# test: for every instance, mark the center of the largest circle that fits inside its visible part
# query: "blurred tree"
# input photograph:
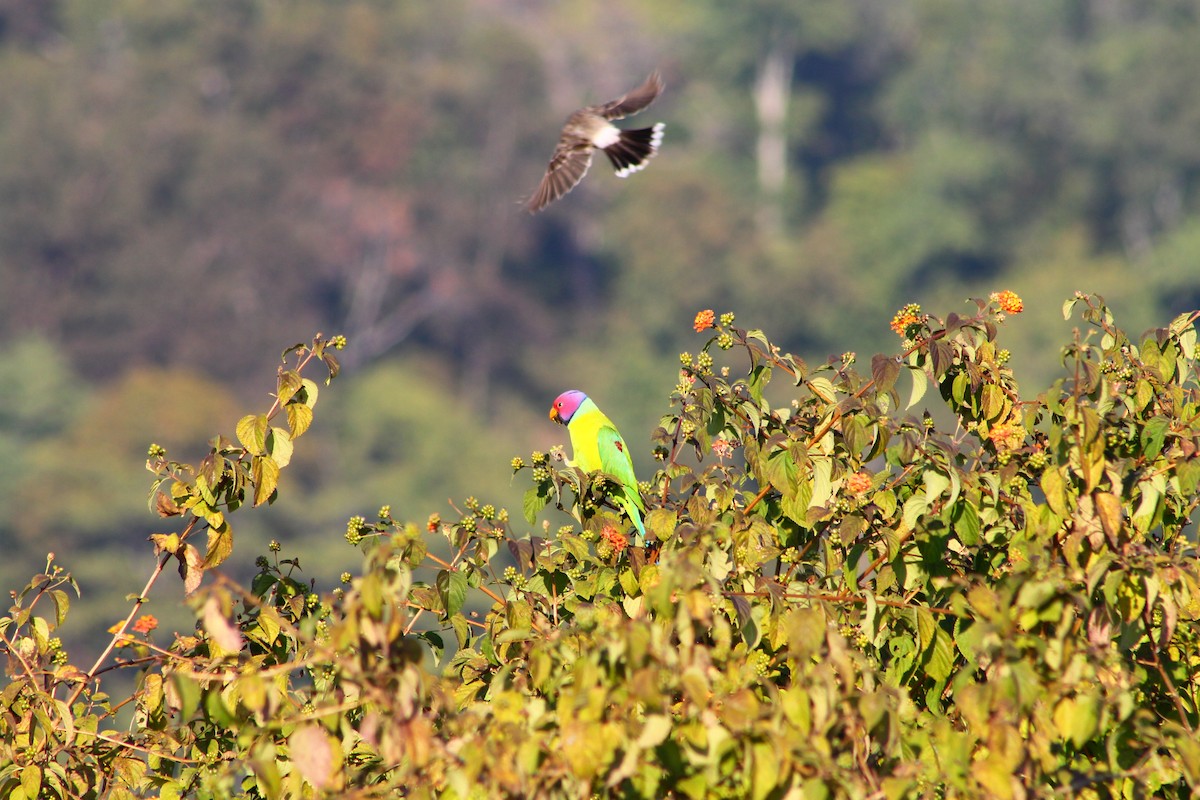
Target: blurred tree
(39, 397)
(101, 456)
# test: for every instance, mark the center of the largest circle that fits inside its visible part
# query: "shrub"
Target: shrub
(839, 599)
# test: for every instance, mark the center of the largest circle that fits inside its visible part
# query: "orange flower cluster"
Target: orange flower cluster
(705, 320)
(1008, 436)
(145, 624)
(858, 482)
(1008, 301)
(909, 315)
(616, 540)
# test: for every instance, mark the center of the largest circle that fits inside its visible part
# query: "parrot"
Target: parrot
(598, 447)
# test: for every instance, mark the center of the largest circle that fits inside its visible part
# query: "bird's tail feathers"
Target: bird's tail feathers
(634, 148)
(631, 508)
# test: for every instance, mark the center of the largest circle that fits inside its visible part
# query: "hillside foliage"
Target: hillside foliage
(843, 597)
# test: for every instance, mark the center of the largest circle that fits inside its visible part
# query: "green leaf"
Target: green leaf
(920, 382)
(62, 604)
(760, 376)
(252, 433)
(535, 500)
(822, 389)
(939, 659)
(967, 524)
(935, 484)
(1153, 436)
(452, 586)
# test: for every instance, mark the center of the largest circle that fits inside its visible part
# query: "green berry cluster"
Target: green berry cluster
(517, 463)
(727, 319)
(354, 527)
(338, 342)
(156, 451)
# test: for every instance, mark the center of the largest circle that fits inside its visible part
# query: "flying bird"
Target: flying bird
(597, 446)
(590, 129)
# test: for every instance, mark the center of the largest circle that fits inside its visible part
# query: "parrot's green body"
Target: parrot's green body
(598, 446)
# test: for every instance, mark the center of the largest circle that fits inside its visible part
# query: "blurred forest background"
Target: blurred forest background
(187, 187)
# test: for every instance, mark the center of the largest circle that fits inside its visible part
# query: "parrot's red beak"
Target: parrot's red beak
(554, 417)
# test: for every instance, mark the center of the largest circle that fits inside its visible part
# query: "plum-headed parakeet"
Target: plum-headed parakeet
(598, 446)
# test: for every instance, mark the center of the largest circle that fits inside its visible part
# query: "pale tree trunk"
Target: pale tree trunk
(772, 90)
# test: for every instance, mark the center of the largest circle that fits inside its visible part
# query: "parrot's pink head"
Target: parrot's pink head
(565, 406)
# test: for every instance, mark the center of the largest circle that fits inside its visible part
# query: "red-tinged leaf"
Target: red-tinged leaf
(332, 364)
(942, 355)
(312, 753)
(223, 633)
(884, 370)
(165, 506)
(191, 568)
(1108, 509)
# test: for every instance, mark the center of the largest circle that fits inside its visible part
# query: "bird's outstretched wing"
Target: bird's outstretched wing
(567, 167)
(634, 101)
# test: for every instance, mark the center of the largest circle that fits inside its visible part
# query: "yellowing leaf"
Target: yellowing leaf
(265, 473)
(1077, 718)
(252, 433)
(299, 417)
(279, 446)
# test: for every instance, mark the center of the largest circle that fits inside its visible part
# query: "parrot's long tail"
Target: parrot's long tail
(635, 516)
